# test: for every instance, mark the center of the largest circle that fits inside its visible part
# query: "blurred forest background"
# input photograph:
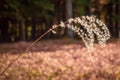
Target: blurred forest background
(23, 21)
(26, 20)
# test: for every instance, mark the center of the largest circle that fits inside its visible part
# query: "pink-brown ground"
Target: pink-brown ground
(60, 60)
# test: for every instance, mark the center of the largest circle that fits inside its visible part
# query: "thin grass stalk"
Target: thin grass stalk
(26, 49)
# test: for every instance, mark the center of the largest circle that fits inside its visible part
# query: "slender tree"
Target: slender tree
(117, 16)
(69, 14)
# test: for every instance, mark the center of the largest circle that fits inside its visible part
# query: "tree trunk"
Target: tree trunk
(68, 14)
(59, 15)
(4, 29)
(22, 31)
(117, 28)
(109, 18)
(33, 28)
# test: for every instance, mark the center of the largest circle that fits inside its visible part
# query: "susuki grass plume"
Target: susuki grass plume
(86, 27)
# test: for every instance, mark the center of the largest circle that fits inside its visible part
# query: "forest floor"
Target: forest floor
(60, 60)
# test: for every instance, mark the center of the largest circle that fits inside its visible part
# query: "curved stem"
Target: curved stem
(26, 49)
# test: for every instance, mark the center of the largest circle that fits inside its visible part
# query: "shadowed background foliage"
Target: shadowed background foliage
(26, 20)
